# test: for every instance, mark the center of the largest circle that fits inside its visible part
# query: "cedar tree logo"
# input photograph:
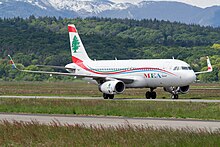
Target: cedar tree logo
(75, 44)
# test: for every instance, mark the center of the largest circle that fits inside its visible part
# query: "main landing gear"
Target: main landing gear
(108, 96)
(151, 94)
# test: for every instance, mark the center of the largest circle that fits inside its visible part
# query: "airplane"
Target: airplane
(114, 76)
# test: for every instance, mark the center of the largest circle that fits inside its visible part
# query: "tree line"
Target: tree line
(44, 41)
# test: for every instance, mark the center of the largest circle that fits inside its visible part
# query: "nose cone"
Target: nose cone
(193, 77)
(189, 77)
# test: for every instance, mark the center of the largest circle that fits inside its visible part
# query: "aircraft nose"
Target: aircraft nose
(193, 77)
(190, 77)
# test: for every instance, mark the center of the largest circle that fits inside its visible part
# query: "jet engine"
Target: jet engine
(183, 89)
(112, 87)
(176, 90)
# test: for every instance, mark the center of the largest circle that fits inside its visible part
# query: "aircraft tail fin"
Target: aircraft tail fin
(77, 48)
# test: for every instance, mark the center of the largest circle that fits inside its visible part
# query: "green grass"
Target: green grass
(80, 88)
(113, 108)
(35, 134)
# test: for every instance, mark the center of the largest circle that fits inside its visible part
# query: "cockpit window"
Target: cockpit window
(184, 68)
(176, 68)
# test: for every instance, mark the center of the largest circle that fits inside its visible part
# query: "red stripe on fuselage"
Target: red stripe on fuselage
(80, 64)
(76, 60)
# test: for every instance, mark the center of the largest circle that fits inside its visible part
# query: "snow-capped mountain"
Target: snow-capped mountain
(162, 10)
(80, 6)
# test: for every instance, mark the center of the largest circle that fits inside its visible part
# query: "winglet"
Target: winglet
(209, 65)
(210, 69)
(12, 62)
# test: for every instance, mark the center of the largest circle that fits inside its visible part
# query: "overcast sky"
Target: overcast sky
(199, 3)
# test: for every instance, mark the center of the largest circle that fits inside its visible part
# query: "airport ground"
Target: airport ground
(33, 133)
(83, 89)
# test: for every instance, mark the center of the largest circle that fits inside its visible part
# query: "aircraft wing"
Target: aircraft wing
(56, 67)
(126, 80)
(209, 67)
(48, 72)
(97, 78)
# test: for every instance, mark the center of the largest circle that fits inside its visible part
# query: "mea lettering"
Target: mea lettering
(153, 76)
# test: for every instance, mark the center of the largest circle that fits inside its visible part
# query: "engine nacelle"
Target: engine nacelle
(176, 90)
(183, 89)
(112, 87)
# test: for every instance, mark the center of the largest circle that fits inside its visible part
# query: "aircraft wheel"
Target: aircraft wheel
(111, 96)
(153, 95)
(175, 96)
(148, 95)
(105, 96)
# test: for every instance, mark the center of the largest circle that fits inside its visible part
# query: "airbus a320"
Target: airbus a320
(114, 76)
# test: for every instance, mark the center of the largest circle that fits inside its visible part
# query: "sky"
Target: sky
(198, 3)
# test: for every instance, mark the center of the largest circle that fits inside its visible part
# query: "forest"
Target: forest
(45, 41)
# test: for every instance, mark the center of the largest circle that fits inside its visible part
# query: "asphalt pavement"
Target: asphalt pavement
(97, 121)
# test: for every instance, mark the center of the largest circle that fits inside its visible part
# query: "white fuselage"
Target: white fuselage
(146, 73)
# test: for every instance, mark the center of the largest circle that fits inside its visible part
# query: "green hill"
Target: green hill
(44, 40)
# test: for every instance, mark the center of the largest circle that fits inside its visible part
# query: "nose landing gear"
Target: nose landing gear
(174, 96)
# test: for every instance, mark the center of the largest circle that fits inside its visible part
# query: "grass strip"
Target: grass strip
(35, 134)
(113, 108)
(79, 88)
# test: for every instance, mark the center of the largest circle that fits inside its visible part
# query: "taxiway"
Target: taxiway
(97, 121)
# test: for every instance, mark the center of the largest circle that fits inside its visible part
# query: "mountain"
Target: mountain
(25, 8)
(172, 11)
(209, 17)
(161, 10)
